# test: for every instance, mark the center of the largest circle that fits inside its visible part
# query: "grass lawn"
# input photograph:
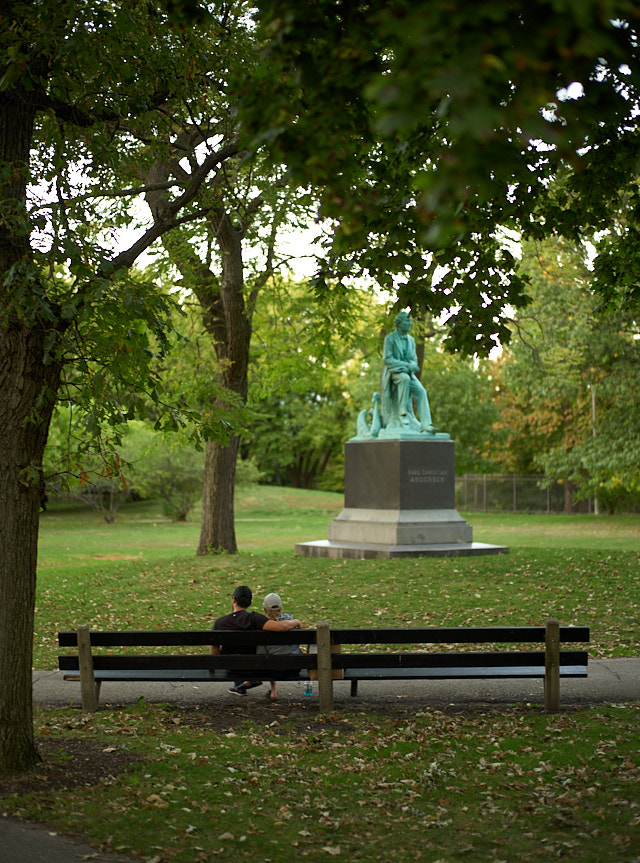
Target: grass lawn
(142, 572)
(279, 782)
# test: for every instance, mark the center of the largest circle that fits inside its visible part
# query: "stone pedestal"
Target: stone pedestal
(399, 502)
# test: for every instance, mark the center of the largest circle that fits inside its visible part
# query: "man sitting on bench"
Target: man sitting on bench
(241, 620)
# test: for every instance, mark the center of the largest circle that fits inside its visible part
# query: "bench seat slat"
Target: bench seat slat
(204, 675)
(471, 673)
(339, 660)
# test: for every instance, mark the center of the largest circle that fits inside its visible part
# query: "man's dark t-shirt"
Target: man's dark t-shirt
(241, 621)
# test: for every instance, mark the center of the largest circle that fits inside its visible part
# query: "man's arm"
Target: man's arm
(282, 625)
(412, 361)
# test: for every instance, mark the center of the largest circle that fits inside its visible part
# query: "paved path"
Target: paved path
(22, 842)
(609, 681)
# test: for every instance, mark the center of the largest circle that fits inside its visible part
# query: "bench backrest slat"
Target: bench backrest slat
(188, 638)
(457, 635)
(231, 661)
(475, 659)
(428, 635)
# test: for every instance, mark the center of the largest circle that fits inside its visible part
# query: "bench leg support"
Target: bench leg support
(89, 689)
(325, 672)
(552, 666)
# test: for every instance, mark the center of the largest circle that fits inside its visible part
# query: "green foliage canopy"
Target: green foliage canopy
(113, 89)
(453, 120)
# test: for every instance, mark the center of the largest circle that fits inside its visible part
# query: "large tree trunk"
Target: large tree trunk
(28, 386)
(226, 318)
(24, 424)
(218, 518)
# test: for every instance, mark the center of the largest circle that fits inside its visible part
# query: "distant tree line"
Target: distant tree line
(560, 401)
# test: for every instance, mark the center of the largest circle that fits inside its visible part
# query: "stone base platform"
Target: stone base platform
(399, 527)
(327, 548)
(399, 502)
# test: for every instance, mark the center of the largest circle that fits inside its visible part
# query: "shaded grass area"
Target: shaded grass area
(276, 784)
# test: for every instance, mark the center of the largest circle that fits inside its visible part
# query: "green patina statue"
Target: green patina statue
(394, 415)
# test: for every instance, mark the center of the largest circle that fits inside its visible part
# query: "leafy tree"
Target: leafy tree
(542, 395)
(89, 93)
(461, 397)
(163, 466)
(568, 387)
(222, 260)
(73, 471)
(99, 484)
(250, 211)
(298, 436)
(304, 392)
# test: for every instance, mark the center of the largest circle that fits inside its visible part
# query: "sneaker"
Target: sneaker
(239, 690)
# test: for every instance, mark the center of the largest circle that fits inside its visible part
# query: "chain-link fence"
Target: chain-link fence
(515, 493)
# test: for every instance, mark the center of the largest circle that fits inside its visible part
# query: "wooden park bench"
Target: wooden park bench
(330, 662)
(92, 667)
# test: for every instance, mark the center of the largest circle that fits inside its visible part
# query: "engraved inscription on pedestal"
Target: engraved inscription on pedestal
(425, 475)
(399, 474)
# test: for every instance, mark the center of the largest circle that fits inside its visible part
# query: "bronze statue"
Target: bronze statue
(403, 408)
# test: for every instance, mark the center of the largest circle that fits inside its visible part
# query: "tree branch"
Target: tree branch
(84, 118)
(128, 258)
(169, 219)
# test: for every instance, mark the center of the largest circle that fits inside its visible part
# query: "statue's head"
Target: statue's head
(403, 321)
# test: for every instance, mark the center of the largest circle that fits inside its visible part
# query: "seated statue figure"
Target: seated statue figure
(400, 386)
